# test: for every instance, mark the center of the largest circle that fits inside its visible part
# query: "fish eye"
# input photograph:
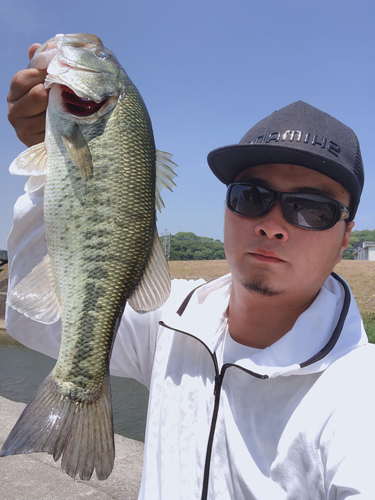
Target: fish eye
(103, 54)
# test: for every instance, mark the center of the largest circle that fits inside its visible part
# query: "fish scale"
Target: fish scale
(102, 178)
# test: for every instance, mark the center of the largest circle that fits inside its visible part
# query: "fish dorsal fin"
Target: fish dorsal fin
(32, 162)
(35, 295)
(164, 175)
(155, 286)
(79, 152)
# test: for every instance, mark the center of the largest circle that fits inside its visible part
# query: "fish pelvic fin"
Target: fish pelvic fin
(35, 295)
(79, 152)
(33, 163)
(79, 432)
(155, 287)
(164, 175)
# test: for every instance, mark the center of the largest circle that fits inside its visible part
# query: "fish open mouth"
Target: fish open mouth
(79, 106)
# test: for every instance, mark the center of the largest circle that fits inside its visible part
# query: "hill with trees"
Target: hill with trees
(188, 246)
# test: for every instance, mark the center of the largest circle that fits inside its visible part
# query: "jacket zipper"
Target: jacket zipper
(219, 376)
(217, 389)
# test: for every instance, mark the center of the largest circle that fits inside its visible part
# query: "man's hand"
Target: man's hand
(27, 103)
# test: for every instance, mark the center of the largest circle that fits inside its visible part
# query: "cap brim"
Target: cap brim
(229, 161)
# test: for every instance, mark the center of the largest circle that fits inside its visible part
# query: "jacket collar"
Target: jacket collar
(330, 328)
(203, 313)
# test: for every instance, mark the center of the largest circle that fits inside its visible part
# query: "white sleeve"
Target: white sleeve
(137, 337)
(349, 436)
(349, 464)
(135, 343)
(26, 248)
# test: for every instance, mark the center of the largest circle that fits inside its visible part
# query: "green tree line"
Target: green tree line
(355, 237)
(188, 246)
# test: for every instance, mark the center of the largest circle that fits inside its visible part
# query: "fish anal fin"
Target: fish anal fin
(155, 286)
(79, 152)
(35, 295)
(80, 432)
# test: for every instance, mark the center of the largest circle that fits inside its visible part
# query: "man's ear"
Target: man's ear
(345, 240)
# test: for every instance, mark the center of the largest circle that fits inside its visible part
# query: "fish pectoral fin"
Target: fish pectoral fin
(32, 162)
(164, 175)
(79, 152)
(155, 287)
(34, 183)
(35, 295)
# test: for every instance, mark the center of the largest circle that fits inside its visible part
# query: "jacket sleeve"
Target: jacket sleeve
(136, 339)
(348, 439)
(26, 248)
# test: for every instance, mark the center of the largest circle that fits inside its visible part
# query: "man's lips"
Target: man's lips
(266, 256)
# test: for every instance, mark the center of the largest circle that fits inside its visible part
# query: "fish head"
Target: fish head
(86, 77)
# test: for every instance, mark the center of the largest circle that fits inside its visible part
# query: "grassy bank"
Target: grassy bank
(195, 269)
(369, 322)
(361, 277)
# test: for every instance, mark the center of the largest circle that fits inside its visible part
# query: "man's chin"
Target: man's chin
(259, 286)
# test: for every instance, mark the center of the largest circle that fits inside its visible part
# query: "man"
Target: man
(260, 381)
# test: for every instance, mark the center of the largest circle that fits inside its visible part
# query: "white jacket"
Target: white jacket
(292, 422)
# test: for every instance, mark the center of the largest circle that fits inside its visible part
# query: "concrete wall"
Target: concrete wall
(38, 477)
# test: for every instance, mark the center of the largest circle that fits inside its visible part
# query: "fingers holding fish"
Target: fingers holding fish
(27, 104)
(32, 49)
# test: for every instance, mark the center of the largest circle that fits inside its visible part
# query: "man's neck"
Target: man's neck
(259, 321)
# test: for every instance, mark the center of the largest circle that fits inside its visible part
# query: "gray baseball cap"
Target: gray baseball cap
(298, 134)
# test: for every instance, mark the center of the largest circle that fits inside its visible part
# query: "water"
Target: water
(22, 371)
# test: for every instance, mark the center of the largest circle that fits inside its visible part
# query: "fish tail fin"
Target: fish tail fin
(79, 431)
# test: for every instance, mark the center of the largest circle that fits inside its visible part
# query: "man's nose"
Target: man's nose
(273, 224)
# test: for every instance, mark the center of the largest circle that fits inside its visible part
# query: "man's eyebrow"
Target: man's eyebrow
(325, 191)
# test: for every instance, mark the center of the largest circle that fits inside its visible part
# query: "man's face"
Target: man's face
(268, 255)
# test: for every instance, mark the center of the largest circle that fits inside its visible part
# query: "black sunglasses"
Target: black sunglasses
(309, 211)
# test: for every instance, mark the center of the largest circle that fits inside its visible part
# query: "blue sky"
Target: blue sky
(208, 70)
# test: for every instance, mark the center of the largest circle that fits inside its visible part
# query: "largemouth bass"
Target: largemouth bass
(102, 179)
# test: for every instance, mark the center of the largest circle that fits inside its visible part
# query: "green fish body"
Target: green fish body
(102, 176)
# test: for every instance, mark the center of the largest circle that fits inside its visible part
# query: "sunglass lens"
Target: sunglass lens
(251, 201)
(308, 212)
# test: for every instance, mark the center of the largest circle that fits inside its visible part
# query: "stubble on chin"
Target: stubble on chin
(259, 286)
